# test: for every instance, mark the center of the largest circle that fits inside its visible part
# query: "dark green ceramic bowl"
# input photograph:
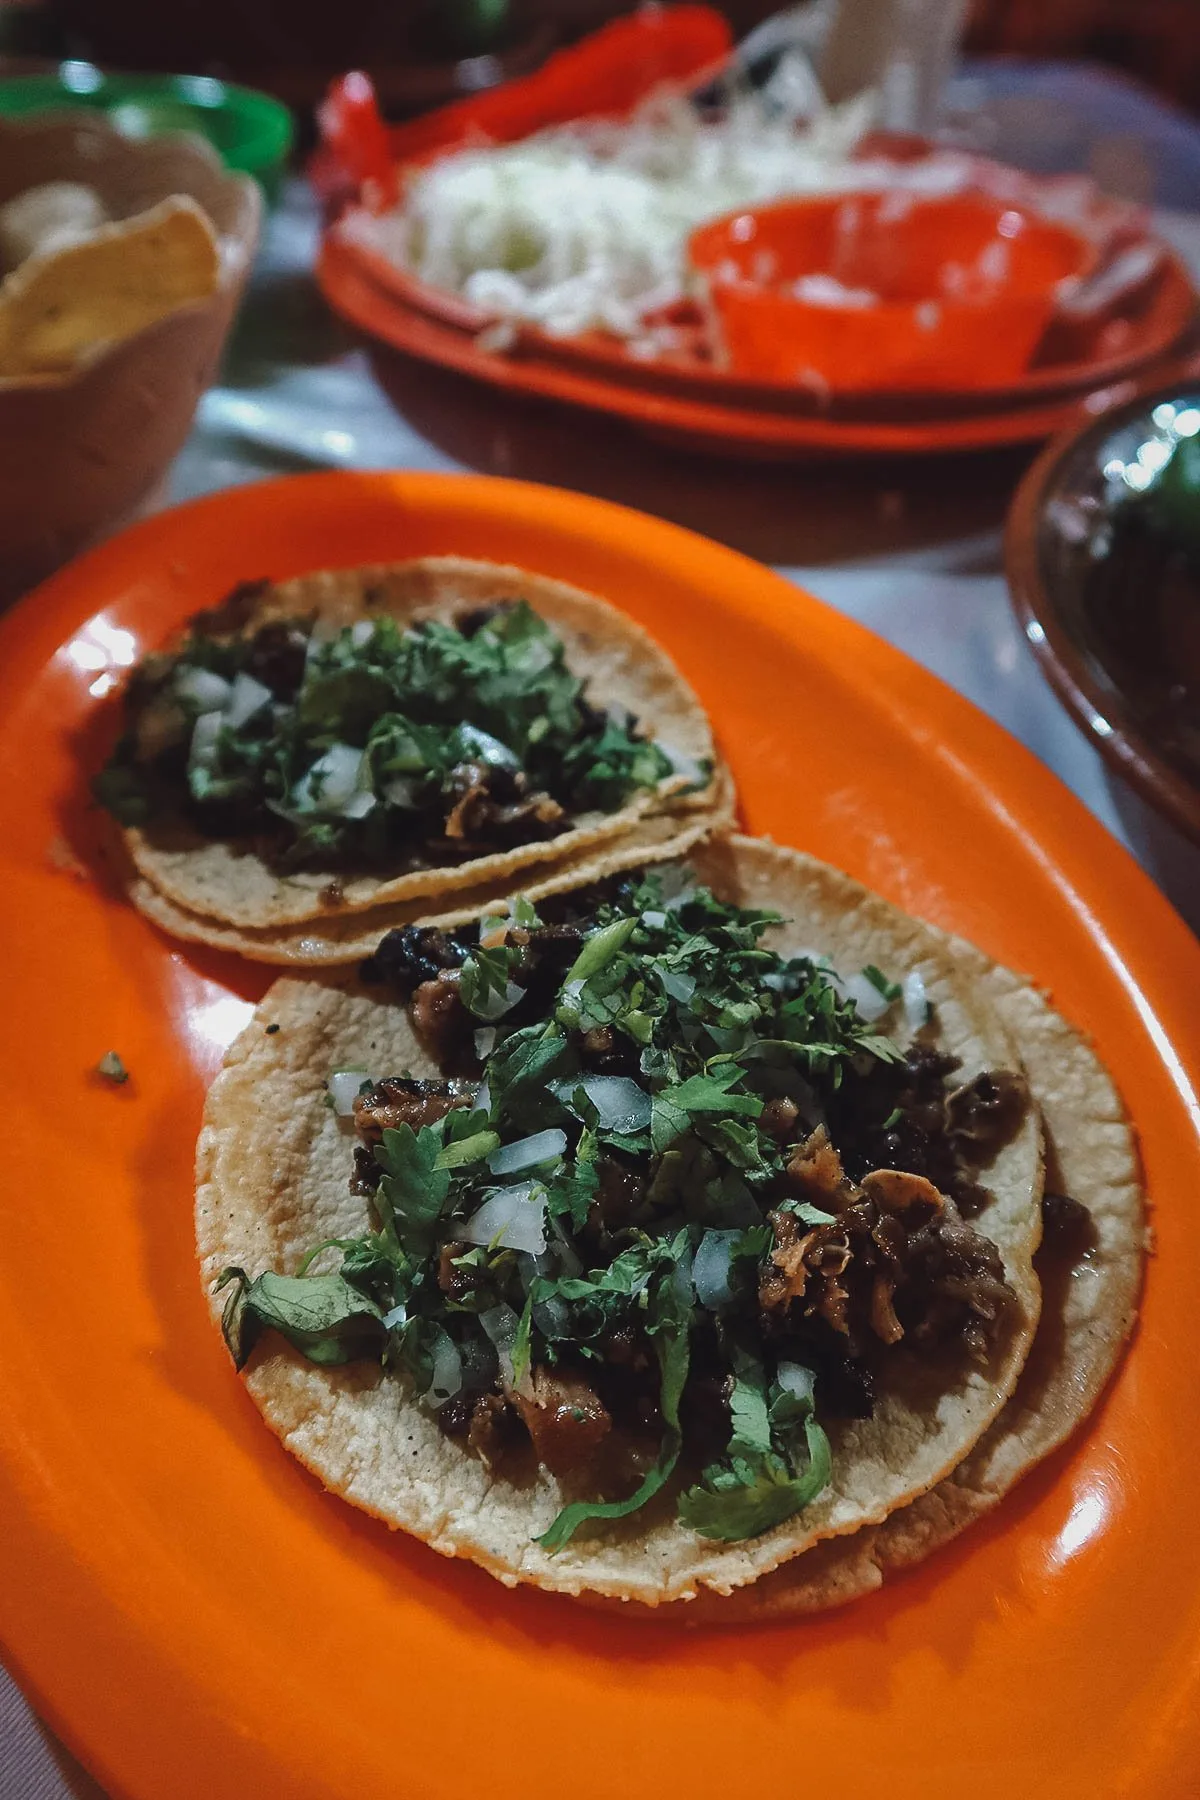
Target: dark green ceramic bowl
(252, 132)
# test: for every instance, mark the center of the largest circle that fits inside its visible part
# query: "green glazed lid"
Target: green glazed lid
(252, 132)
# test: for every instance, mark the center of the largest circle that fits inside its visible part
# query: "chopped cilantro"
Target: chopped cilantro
(360, 748)
(709, 1026)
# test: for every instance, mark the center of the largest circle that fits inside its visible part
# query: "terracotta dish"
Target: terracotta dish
(79, 451)
(1123, 658)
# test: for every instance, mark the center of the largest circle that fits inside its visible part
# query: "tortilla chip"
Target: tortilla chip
(621, 663)
(58, 310)
(1088, 1312)
(273, 1165)
(343, 938)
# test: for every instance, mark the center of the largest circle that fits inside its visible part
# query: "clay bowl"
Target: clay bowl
(79, 452)
(1121, 658)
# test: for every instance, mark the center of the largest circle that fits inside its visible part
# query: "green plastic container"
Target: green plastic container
(252, 132)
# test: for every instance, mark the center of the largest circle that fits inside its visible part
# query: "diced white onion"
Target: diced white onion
(202, 687)
(916, 1002)
(620, 1103)
(358, 805)
(529, 1153)
(446, 1379)
(488, 748)
(485, 1041)
(402, 790)
(654, 920)
(483, 1099)
(205, 733)
(513, 1218)
(687, 766)
(344, 1086)
(397, 1316)
(494, 1006)
(500, 1323)
(869, 1003)
(795, 1379)
(361, 632)
(710, 1269)
(332, 781)
(246, 698)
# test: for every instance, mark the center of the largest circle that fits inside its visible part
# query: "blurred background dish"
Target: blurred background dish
(81, 447)
(880, 290)
(251, 132)
(1103, 560)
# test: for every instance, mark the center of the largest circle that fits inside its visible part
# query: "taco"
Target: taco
(1089, 1265)
(348, 937)
(369, 737)
(662, 1232)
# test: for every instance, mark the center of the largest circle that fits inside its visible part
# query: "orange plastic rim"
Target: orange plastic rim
(189, 1609)
(691, 412)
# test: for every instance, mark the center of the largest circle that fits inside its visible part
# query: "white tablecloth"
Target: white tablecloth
(912, 550)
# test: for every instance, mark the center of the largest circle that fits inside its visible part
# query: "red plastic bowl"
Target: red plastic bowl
(884, 290)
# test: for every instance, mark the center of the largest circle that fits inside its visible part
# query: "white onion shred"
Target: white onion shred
(710, 1269)
(332, 782)
(916, 1002)
(795, 1379)
(446, 1379)
(512, 1218)
(494, 1006)
(528, 1153)
(485, 1041)
(620, 1103)
(205, 733)
(869, 1003)
(500, 1323)
(344, 1087)
(246, 698)
(202, 687)
(397, 1316)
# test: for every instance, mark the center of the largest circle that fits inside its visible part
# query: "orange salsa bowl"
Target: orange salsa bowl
(884, 290)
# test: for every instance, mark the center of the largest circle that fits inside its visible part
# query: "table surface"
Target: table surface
(911, 550)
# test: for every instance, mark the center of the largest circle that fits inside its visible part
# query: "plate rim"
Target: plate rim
(59, 606)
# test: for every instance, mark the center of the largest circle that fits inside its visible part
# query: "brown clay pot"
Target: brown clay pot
(79, 451)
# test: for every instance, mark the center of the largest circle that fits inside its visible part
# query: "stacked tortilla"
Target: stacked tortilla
(225, 893)
(274, 1165)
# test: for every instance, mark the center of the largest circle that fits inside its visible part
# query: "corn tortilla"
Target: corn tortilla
(620, 662)
(273, 1166)
(340, 938)
(1088, 1314)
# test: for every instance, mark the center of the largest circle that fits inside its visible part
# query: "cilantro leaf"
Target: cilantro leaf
(322, 1316)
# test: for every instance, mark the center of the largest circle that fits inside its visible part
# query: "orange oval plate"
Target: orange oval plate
(189, 1609)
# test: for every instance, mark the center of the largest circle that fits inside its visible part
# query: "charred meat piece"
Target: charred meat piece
(1068, 1228)
(815, 1171)
(897, 1261)
(442, 1022)
(402, 1100)
(902, 1116)
(477, 617)
(233, 613)
(366, 1174)
(492, 806)
(984, 1114)
(411, 955)
(953, 1285)
(566, 1419)
(277, 656)
(493, 1429)
(454, 1282)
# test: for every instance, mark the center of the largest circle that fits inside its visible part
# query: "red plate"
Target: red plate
(685, 416)
(189, 1609)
